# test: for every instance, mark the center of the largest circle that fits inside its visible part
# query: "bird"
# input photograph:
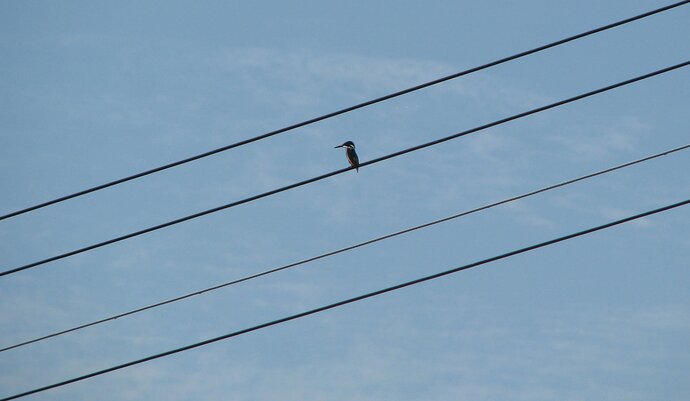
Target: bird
(351, 154)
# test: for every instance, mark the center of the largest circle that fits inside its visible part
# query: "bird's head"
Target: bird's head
(348, 144)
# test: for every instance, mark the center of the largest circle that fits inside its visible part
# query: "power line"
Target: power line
(351, 300)
(336, 172)
(348, 248)
(345, 110)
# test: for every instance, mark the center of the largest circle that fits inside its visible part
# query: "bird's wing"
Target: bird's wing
(352, 155)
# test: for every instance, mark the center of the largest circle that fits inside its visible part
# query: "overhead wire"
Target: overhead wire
(340, 171)
(351, 247)
(350, 300)
(342, 111)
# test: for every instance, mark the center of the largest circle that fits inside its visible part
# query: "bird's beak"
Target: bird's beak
(336, 147)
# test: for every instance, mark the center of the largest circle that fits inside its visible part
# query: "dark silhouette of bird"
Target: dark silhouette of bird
(351, 154)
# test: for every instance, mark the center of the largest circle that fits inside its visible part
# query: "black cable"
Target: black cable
(345, 110)
(336, 172)
(348, 248)
(351, 300)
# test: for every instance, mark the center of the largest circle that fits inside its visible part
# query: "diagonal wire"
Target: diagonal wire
(345, 110)
(348, 248)
(350, 300)
(336, 172)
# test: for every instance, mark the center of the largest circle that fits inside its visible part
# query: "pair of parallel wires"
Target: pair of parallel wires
(285, 188)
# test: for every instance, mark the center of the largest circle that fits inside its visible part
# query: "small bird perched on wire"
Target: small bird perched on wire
(351, 154)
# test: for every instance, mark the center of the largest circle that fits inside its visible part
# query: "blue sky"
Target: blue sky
(91, 91)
